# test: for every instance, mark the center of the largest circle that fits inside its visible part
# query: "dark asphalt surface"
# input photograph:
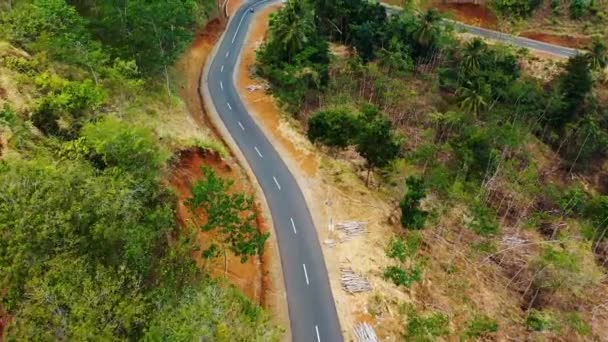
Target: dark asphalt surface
(312, 310)
(552, 49)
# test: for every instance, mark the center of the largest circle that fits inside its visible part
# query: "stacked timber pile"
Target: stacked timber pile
(365, 333)
(350, 229)
(352, 282)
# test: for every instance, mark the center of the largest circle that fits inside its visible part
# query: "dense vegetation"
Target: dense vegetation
(576, 9)
(495, 147)
(89, 245)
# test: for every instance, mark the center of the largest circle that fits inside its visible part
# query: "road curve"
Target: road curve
(522, 42)
(312, 310)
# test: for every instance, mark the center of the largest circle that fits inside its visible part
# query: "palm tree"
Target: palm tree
(474, 52)
(428, 28)
(473, 95)
(292, 28)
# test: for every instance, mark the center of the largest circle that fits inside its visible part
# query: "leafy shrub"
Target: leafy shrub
(402, 249)
(579, 8)
(576, 322)
(211, 313)
(573, 201)
(426, 328)
(116, 144)
(403, 277)
(8, 116)
(412, 217)
(483, 220)
(66, 105)
(541, 321)
(519, 8)
(481, 326)
(570, 268)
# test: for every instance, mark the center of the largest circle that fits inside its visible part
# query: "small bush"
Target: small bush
(426, 328)
(484, 220)
(401, 249)
(576, 322)
(573, 201)
(8, 116)
(481, 326)
(579, 8)
(412, 216)
(116, 144)
(541, 321)
(402, 277)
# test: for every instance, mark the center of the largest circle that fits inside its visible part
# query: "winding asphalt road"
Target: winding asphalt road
(312, 309)
(523, 42)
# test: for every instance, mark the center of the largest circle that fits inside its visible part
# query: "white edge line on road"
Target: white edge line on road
(241, 125)
(222, 69)
(276, 182)
(239, 26)
(222, 85)
(229, 106)
(293, 225)
(318, 336)
(258, 151)
(305, 274)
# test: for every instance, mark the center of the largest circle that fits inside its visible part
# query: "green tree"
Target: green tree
(412, 216)
(598, 54)
(211, 312)
(56, 28)
(66, 303)
(232, 216)
(65, 105)
(291, 30)
(473, 54)
(111, 143)
(574, 85)
(376, 142)
(474, 96)
(111, 220)
(153, 34)
(428, 29)
(519, 8)
(335, 128)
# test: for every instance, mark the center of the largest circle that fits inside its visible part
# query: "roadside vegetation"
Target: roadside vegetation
(89, 244)
(501, 166)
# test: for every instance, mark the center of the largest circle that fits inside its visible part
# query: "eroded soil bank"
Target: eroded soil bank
(254, 277)
(185, 173)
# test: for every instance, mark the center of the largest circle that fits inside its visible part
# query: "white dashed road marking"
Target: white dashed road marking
(276, 182)
(227, 54)
(318, 336)
(305, 274)
(293, 225)
(222, 85)
(229, 106)
(222, 69)
(241, 125)
(258, 151)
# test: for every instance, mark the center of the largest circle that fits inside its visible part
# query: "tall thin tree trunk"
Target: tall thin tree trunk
(580, 150)
(225, 264)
